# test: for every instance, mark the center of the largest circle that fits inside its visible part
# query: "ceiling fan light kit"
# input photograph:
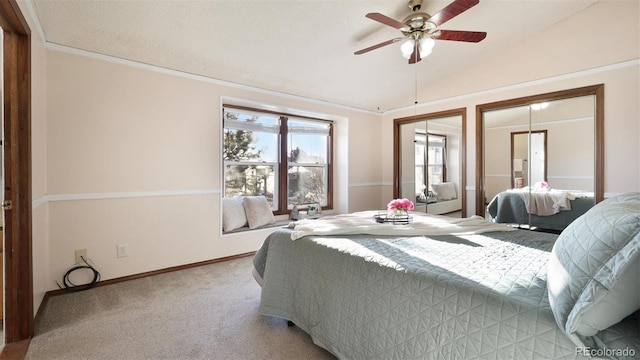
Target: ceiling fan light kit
(420, 30)
(425, 45)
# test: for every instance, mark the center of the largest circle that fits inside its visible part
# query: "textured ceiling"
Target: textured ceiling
(304, 48)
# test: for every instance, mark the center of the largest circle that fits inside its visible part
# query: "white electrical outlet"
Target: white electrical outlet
(123, 251)
(81, 253)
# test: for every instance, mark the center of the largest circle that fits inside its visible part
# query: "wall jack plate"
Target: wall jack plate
(82, 253)
(123, 250)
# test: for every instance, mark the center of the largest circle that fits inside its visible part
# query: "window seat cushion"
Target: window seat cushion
(279, 223)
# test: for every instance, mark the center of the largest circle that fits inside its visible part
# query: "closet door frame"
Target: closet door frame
(596, 90)
(397, 161)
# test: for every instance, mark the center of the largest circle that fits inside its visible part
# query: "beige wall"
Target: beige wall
(128, 154)
(134, 159)
(570, 54)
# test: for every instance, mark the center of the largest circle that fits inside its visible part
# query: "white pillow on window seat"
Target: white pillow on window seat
(445, 191)
(233, 216)
(258, 211)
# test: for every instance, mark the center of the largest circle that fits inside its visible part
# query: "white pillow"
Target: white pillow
(445, 191)
(233, 216)
(594, 268)
(258, 211)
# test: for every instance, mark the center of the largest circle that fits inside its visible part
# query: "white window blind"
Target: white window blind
(251, 121)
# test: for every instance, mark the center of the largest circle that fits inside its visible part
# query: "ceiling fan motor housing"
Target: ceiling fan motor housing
(418, 25)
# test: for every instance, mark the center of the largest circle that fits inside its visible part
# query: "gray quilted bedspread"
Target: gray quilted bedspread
(440, 297)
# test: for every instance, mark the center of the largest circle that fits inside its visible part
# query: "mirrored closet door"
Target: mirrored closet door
(429, 165)
(540, 158)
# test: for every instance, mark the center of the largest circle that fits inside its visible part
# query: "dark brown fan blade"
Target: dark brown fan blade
(457, 35)
(415, 55)
(377, 46)
(386, 20)
(452, 10)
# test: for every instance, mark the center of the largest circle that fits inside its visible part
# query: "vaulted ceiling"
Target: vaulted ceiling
(304, 48)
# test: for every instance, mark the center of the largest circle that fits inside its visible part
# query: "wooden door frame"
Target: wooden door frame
(19, 320)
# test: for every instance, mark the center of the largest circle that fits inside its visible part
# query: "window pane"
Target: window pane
(307, 149)
(251, 180)
(435, 175)
(419, 154)
(419, 179)
(307, 142)
(307, 185)
(243, 145)
(436, 155)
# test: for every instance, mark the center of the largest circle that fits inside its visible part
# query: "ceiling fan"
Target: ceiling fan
(421, 29)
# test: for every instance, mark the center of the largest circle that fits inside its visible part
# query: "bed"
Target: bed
(459, 296)
(510, 207)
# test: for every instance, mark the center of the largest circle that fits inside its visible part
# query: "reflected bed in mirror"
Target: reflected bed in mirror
(549, 210)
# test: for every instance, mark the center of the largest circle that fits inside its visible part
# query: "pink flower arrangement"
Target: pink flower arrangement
(400, 205)
(542, 185)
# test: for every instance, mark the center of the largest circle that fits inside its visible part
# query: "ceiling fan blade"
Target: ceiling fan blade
(415, 55)
(385, 43)
(386, 20)
(458, 35)
(452, 10)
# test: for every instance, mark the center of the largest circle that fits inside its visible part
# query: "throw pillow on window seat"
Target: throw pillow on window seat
(258, 211)
(233, 216)
(445, 191)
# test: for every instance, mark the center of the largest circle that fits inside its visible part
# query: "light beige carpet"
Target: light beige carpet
(208, 312)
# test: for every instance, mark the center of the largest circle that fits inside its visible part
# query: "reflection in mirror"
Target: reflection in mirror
(571, 125)
(528, 158)
(429, 162)
(553, 171)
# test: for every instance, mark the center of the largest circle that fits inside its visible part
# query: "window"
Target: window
(285, 158)
(430, 159)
